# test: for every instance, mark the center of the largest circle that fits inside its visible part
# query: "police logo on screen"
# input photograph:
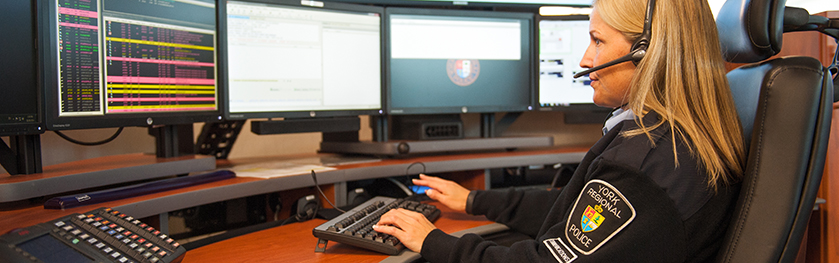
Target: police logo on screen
(463, 72)
(601, 211)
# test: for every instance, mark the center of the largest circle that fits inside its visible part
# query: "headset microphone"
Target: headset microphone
(639, 48)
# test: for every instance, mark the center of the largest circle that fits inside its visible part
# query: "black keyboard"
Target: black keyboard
(355, 227)
(101, 235)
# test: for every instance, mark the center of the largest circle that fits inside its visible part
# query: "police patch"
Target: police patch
(601, 211)
(463, 72)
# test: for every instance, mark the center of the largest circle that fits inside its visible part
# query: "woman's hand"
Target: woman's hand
(447, 192)
(409, 227)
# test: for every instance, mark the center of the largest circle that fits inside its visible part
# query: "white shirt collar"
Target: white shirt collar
(618, 116)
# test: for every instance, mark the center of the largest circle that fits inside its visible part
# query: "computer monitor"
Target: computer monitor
(444, 61)
(301, 59)
(116, 63)
(562, 43)
(19, 104)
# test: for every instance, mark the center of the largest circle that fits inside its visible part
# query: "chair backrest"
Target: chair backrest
(785, 107)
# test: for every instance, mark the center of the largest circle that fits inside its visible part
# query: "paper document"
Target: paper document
(277, 169)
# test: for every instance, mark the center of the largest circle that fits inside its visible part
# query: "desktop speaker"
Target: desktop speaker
(305, 208)
(357, 196)
(427, 128)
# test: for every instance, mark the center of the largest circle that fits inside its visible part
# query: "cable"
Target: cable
(315, 178)
(62, 135)
(401, 186)
(287, 220)
(409, 182)
(412, 165)
(409, 187)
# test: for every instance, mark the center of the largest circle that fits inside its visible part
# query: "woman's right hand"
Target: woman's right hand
(447, 192)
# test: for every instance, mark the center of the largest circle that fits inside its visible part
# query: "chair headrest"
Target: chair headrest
(751, 30)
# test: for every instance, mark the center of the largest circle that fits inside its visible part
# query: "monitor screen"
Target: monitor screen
(114, 63)
(562, 44)
(458, 61)
(286, 59)
(19, 104)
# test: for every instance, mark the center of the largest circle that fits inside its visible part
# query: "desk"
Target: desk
(295, 243)
(17, 216)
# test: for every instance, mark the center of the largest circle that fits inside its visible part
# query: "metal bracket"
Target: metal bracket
(321, 246)
(217, 138)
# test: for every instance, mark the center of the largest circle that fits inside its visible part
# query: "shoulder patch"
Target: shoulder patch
(601, 211)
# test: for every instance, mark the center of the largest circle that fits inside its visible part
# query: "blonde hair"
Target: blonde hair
(682, 78)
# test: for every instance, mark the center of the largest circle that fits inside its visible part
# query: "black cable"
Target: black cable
(315, 178)
(288, 220)
(62, 135)
(408, 169)
(412, 165)
(410, 183)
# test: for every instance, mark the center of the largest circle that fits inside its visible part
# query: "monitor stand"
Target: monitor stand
(433, 134)
(103, 171)
(23, 156)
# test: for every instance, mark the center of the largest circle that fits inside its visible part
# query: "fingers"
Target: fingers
(411, 228)
(394, 221)
(431, 193)
(399, 217)
(430, 181)
(390, 230)
(438, 184)
(425, 180)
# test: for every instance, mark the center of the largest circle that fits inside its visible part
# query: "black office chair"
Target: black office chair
(785, 106)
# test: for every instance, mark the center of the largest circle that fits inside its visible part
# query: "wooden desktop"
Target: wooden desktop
(295, 242)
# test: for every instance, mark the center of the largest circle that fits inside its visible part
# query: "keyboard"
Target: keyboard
(101, 235)
(355, 227)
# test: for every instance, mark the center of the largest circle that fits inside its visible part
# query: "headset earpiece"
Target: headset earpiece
(639, 48)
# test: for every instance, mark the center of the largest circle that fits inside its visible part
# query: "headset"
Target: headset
(639, 48)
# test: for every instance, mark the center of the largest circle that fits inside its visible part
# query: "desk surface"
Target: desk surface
(18, 216)
(295, 243)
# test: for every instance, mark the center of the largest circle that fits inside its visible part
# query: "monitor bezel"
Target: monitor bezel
(48, 47)
(526, 16)
(222, 40)
(30, 79)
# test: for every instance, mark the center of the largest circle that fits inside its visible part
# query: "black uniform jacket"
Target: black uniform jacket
(628, 201)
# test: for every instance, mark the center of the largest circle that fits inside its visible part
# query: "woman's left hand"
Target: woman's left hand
(409, 227)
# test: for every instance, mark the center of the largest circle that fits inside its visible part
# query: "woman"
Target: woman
(659, 185)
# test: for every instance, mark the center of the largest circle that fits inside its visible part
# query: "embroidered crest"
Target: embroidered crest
(592, 218)
(601, 211)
